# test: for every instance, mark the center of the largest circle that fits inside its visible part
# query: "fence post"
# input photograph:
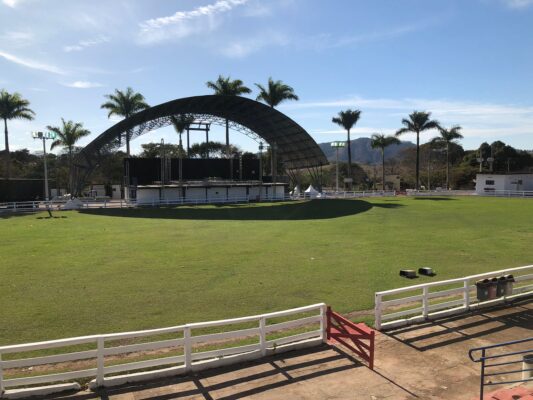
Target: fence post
(187, 348)
(377, 311)
(466, 294)
(1, 377)
(371, 351)
(262, 335)
(425, 301)
(100, 362)
(324, 326)
(328, 323)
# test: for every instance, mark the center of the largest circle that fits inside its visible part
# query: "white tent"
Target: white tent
(296, 191)
(311, 192)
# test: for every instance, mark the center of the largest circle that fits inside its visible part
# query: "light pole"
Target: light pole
(261, 147)
(44, 136)
(337, 146)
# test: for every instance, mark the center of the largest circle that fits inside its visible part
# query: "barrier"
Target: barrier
(448, 297)
(180, 342)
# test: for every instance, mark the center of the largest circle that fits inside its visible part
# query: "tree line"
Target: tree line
(128, 102)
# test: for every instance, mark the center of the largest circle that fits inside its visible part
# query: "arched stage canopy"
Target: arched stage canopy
(294, 146)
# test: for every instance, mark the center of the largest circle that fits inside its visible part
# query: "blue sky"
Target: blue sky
(469, 62)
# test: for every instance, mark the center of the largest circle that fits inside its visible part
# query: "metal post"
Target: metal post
(261, 161)
(188, 144)
(482, 384)
(181, 160)
(46, 193)
(337, 171)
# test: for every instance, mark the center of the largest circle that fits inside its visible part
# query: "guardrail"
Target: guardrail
(504, 359)
(508, 193)
(418, 303)
(183, 340)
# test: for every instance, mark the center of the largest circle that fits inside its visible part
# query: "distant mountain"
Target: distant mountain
(362, 152)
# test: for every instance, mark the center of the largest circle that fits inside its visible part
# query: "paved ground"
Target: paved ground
(427, 361)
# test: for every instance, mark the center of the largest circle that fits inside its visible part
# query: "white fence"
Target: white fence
(355, 195)
(413, 304)
(228, 200)
(508, 193)
(437, 193)
(188, 345)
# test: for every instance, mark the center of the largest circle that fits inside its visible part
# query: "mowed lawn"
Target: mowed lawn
(115, 270)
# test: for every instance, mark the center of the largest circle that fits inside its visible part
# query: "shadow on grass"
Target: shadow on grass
(434, 198)
(301, 210)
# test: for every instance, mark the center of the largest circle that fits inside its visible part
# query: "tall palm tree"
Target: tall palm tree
(67, 136)
(125, 104)
(347, 119)
(225, 86)
(380, 141)
(12, 106)
(418, 121)
(446, 137)
(275, 93)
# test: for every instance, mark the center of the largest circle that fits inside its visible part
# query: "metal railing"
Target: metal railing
(437, 193)
(222, 200)
(499, 362)
(418, 303)
(184, 338)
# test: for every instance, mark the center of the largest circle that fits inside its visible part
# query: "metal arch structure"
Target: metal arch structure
(294, 146)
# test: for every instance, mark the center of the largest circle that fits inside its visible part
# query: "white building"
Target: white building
(494, 183)
(211, 192)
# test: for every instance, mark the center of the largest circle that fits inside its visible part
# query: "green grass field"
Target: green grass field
(115, 270)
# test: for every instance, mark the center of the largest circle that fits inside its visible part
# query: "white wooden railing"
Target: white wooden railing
(184, 337)
(223, 200)
(508, 193)
(418, 303)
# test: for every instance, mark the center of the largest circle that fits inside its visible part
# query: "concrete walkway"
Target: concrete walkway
(427, 361)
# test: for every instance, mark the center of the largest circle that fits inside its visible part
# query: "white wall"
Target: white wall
(237, 192)
(147, 195)
(216, 193)
(195, 194)
(492, 182)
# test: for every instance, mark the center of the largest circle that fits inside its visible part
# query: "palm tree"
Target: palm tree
(380, 141)
(224, 86)
(68, 135)
(418, 121)
(12, 106)
(347, 119)
(276, 92)
(125, 104)
(446, 137)
(180, 123)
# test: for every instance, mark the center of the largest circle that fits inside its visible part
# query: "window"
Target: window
(489, 182)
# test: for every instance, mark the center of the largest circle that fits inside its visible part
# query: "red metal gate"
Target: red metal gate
(359, 338)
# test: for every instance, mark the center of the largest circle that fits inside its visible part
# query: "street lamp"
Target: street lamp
(337, 146)
(44, 136)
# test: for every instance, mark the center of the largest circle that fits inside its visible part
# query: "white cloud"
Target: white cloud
(185, 23)
(83, 44)
(517, 4)
(11, 3)
(32, 64)
(239, 48)
(18, 38)
(83, 85)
